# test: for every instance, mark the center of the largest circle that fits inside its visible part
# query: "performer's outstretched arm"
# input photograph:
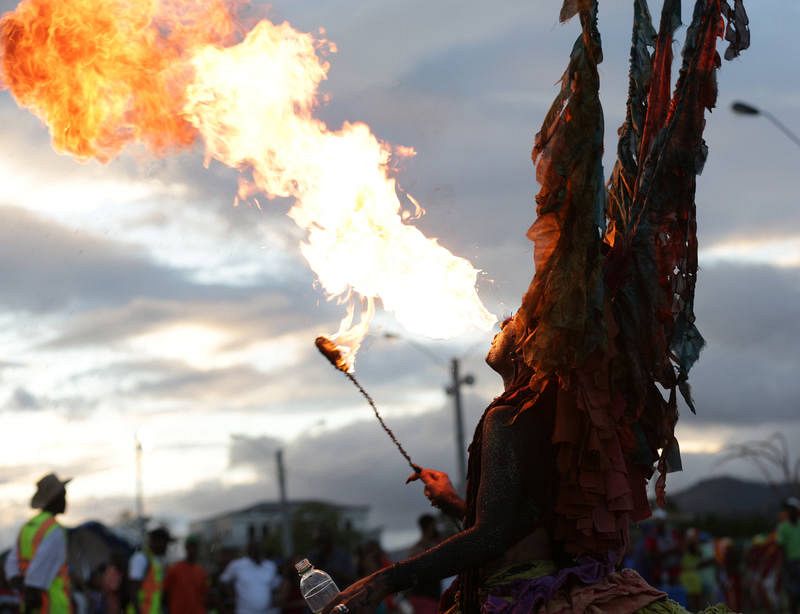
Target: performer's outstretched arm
(500, 515)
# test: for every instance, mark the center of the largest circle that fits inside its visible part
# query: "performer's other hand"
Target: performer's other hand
(438, 488)
(362, 597)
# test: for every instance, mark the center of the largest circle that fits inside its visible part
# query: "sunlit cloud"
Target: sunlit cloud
(196, 344)
(778, 252)
(158, 213)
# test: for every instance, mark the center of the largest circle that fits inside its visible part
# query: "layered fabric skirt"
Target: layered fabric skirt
(589, 587)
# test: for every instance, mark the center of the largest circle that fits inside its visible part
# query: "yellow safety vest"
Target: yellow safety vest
(56, 599)
(149, 595)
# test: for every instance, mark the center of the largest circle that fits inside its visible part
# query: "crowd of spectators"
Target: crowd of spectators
(693, 567)
(697, 569)
(211, 579)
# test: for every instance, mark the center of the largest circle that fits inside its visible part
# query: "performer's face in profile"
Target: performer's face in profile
(499, 356)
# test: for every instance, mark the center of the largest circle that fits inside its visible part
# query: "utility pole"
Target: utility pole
(286, 517)
(140, 520)
(454, 390)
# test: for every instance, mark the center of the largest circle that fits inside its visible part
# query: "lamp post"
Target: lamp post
(743, 108)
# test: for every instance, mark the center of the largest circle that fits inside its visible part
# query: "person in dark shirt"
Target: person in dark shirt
(424, 596)
(289, 597)
(336, 561)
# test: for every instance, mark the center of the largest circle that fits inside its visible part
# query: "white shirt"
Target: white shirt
(47, 561)
(253, 583)
(137, 565)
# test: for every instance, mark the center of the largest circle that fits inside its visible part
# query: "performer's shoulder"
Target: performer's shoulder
(500, 414)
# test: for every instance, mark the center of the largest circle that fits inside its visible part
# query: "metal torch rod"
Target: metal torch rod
(389, 432)
(329, 350)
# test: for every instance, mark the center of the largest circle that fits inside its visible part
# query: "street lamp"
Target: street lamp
(743, 108)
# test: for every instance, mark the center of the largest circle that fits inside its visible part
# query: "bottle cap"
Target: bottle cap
(303, 566)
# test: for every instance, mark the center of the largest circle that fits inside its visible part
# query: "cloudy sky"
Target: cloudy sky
(136, 299)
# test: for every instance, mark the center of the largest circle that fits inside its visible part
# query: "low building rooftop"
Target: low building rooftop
(275, 507)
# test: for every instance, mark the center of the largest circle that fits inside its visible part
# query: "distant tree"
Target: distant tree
(774, 460)
(310, 518)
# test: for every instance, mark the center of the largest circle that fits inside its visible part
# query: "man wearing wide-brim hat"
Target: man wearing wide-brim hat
(38, 563)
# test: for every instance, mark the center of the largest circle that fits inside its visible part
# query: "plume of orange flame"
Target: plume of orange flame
(105, 73)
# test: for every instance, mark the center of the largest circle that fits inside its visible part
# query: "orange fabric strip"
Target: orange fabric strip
(41, 532)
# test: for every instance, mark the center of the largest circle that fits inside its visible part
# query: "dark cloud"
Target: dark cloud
(213, 189)
(231, 385)
(748, 372)
(733, 387)
(390, 368)
(311, 386)
(253, 451)
(22, 400)
(201, 390)
(751, 309)
(246, 315)
(50, 268)
(358, 463)
(113, 291)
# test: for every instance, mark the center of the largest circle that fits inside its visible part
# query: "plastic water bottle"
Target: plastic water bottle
(317, 587)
